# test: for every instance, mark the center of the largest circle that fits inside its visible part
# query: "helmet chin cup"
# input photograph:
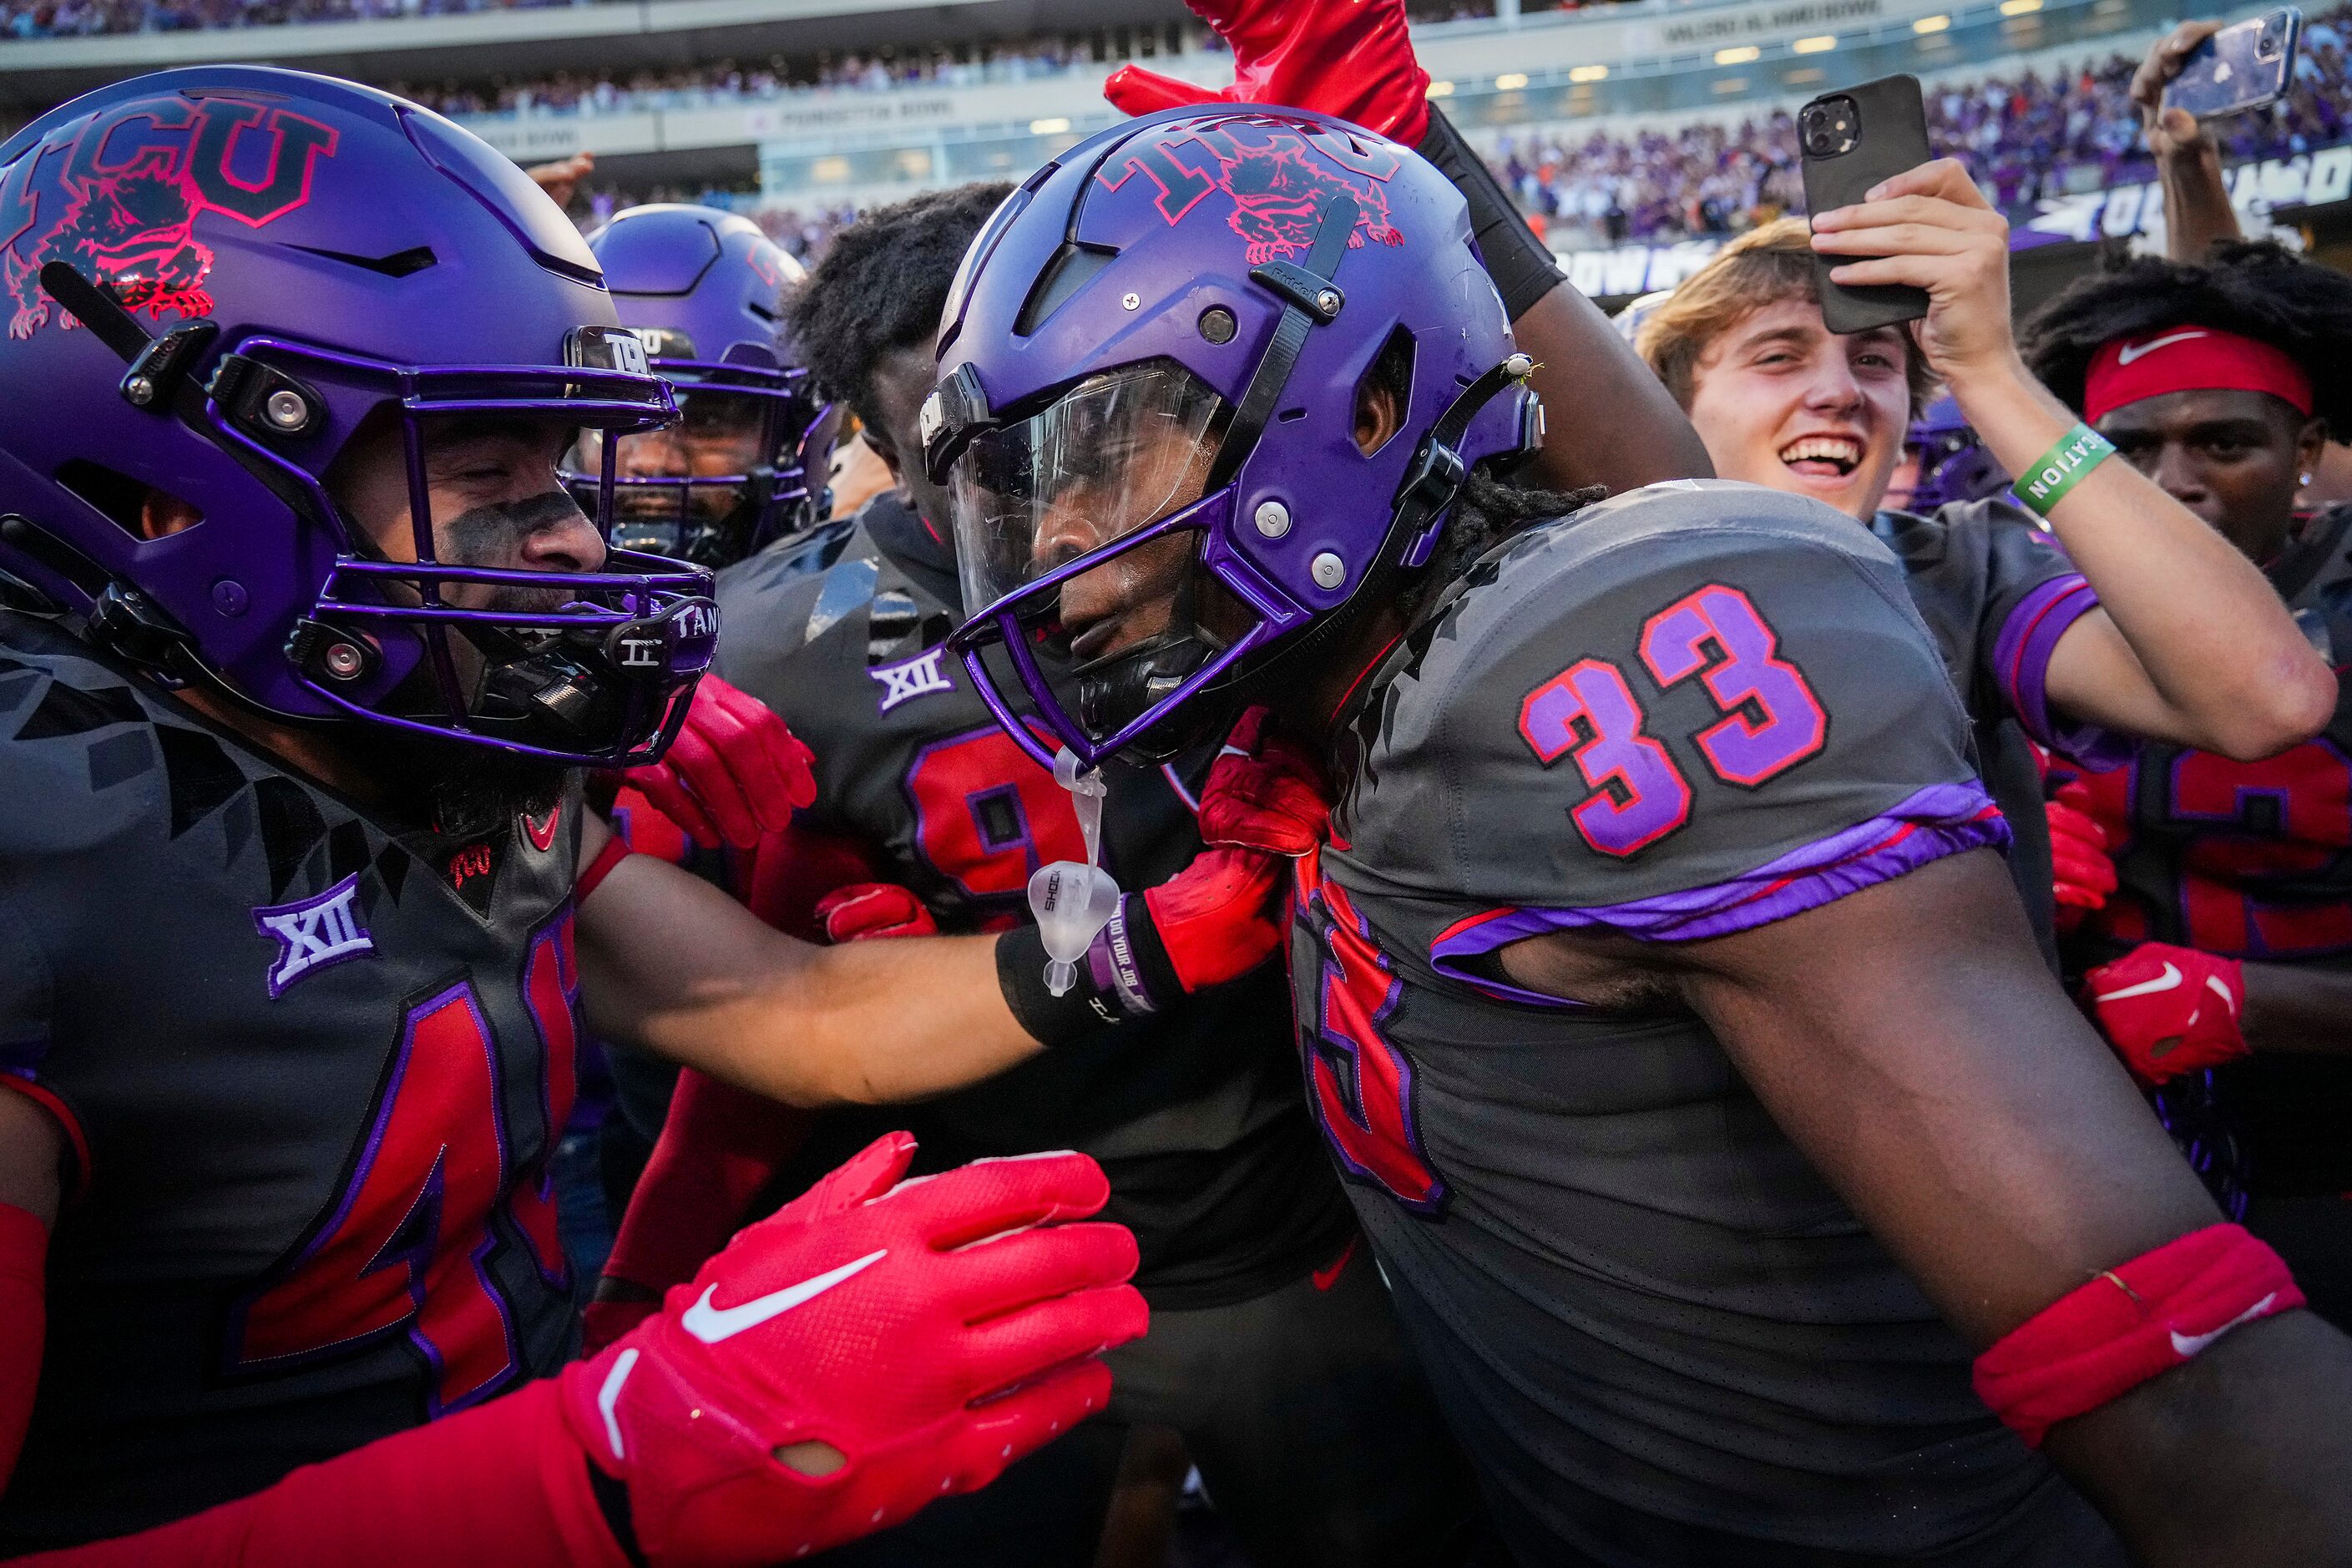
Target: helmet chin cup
(1115, 691)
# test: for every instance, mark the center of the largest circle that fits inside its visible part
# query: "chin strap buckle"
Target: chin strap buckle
(129, 624)
(154, 376)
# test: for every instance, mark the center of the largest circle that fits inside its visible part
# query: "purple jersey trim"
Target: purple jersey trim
(1940, 820)
(2020, 659)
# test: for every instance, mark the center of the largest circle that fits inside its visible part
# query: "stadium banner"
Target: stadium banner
(2134, 212)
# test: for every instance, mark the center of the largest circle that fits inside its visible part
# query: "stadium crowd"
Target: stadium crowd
(2022, 137)
(74, 18)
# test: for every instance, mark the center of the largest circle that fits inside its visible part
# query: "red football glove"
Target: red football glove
(872, 1346)
(2082, 875)
(1349, 57)
(1223, 915)
(1263, 792)
(2169, 1010)
(874, 909)
(733, 774)
(1220, 917)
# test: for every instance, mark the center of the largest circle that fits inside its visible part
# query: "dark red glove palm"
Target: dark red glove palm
(2170, 1010)
(734, 772)
(2083, 876)
(1349, 58)
(869, 909)
(873, 1346)
(1264, 792)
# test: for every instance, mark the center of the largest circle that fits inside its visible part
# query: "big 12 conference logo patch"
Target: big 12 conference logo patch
(117, 193)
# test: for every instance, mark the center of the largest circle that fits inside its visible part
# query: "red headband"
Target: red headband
(2189, 358)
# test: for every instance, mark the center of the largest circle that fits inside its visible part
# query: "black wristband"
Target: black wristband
(1077, 1013)
(613, 1502)
(1521, 265)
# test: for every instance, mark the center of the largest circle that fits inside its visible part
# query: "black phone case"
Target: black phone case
(1891, 135)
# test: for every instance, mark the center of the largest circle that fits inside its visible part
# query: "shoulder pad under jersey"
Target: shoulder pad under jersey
(1666, 707)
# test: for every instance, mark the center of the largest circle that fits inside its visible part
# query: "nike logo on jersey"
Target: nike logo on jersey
(2131, 352)
(2187, 1345)
(712, 1324)
(918, 677)
(2164, 982)
(314, 934)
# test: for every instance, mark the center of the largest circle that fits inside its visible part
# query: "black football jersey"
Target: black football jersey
(1997, 593)
(1195, 1113)
(311, 1080)
(1692, 710)
(2253, 860)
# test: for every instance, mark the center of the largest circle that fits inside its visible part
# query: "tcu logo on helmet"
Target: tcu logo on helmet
(117, 193)
(1280, 179)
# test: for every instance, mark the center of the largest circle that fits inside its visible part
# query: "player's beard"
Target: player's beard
(460, 788)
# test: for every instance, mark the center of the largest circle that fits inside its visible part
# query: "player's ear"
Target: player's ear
(2310, 445)
(1380, 395)
(880, 441)
(161, 514)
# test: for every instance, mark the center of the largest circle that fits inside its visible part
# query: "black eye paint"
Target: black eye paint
(493, 535)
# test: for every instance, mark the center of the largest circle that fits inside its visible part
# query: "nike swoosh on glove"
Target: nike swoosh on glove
(1264, 792)
(875, 1345)
(1349, 58)
(2170, 1010)
(2083, 876)
(734, 772)
(866, 909)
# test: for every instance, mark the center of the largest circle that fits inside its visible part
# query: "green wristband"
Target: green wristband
(2062, 467)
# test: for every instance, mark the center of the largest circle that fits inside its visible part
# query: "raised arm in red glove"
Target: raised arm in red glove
(2083, 877)
(873, 1346)
(2170, 1010)
(1346, 57)
(734, 772)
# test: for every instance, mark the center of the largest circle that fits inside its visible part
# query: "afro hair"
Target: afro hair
(882, 286)
(2253, 288)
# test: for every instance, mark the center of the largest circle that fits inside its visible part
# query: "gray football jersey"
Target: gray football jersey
(1996, 593)
(312, 1093)
(1689, 710)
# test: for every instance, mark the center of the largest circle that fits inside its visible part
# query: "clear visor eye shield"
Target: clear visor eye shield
(1096, 534)
(574, 666)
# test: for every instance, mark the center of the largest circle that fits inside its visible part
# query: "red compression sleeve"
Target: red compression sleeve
(500, 1486)
(2101, 1341)
(718, 1146)
(24, 1251)
(784, 878)
(616, 849)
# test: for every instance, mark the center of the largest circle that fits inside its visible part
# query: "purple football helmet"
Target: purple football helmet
(702, 288)
(1954, 465)
(1150, 364)
(215, 277)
